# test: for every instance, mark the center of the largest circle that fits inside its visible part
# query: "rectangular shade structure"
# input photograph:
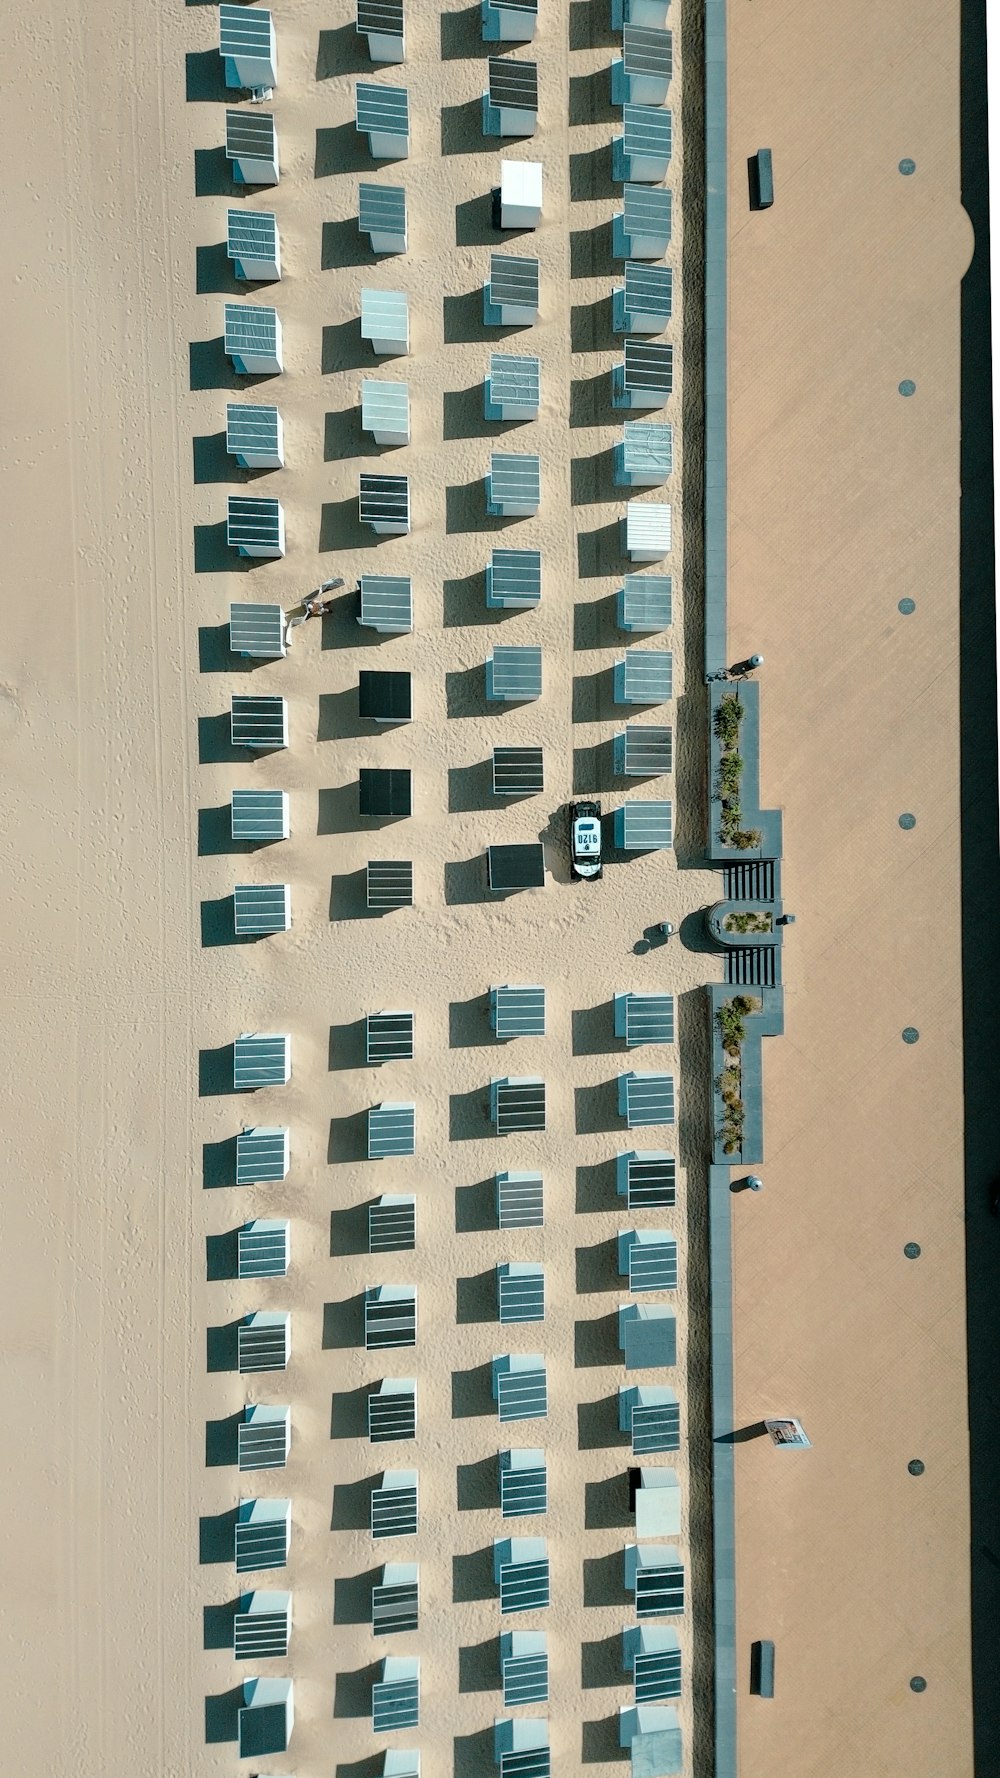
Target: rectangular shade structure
(262, 1535)
(252, 244)
(514, 485)
(524, 1667)
(520, 1389)
(648, 1259)
(384, 504)
(521, 1747)
(261, 1156)
(518, 771)
(396, 1599)
(644, 676)
(652, 1732)
(644, 827)
(646, 1098)
(264, 1725)
(261, 908)
(386, 604)
(651, 1413)
(385, 697)
(396, 1696)
(259, 723)
(647, 1334)
(261, 1060)
(385, 411)
(520, 194)
(259, 815)
(519, 1200)
(647, 531)
(641, 75)
(514, 580)
(521, 1571)
(262, 1626)
(646, 1179)
(388, 1036)
(643, 153)
(644, 378)
(510, 295)
(247, 47)
(652, 13)
(656, 1497)
(653, 1653)
(520, 1291)
(385, 793)
(392, 1410)
(644, 752)
(264, 1436)
(264, 1341)
(382, 113)
(255, 436)
(645, 603)
(655, 1574)
(257, 632)
(389, 884)
(513, 388)
(515, 867)
(401, 1763)
(514, 675)
(392, 1223)
(390, 1316)
(524, 1490)
(381, 21)
(644, 303)
(517, 1012)
(645, 457)
(255, 527)
(644, 1018)
(642, 229)
(252, 339)
(391, 1130)
(263, 1248)
(509, 21)
(510, 108)
(385, 321)
(517, 1104)
(395, 1504)
(252, 147)
(382, 217)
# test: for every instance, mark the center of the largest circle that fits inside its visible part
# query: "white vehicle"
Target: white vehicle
(585, 840)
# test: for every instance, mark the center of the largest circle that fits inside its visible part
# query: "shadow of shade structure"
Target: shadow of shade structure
(253, 245)
(521, 1571)
(260, 909)
(510, 294)
(396, 1599)
(255, 527)
(641, 229)
(258, 723)
(248, 48)
(382, 217)
(388, 1037)
(520, 1388)
(264, 1341)
(517, 1104)
(261, 1059)
(644, 1018)
(524, 1488)
(265, 1723)
(513, 387)
(385, 792)
(646, 1179)
(646, 531)
(514, 675)
(647, 1335)
(382, 113)
(262, 1156)
(520, 194)
(643, 379)
(655, 1574)
(519, 1200)
(388, 884)
(510, 868)
(381, 22)
(644, 676)
(384, 504)
(510, 107)
(521, 1747)
(520, 1291)
(263, 1248)
(391, 1130)
(643, 752)
(644, 604)
(395, 1506)
(255, 436)
(390, 1316)
(385, 411)
(385, 698)
(392, 1410)
(264, 1436)
(509, 21)
(645, 456)
(262, 1535)
(252, 146)
(518, 771)
(644, 303)
(257, 632)
(513, 485)
(642, 153)
(641, 74)
(524, 1667)
(646, 1098)
(651, 1414)
(259, 815)
(652, 1653)
(392, 1223)
(652, 1734)
(644, 827)
(262, 1627)
(514, 579)
(517, 1012)
(386, 604)
(396, 1695)
(655, 1498)
(252, 339)
(385, 321)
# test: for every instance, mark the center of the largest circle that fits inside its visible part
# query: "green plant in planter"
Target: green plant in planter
(728, 716)
(748, 922)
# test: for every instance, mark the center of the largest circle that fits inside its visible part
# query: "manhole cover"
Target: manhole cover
(907, 607)
(907, 166)
(907, 387)
(915, 1466)
(912, 1250)
(907, 821)
(918, 1683)
(911, 1034)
